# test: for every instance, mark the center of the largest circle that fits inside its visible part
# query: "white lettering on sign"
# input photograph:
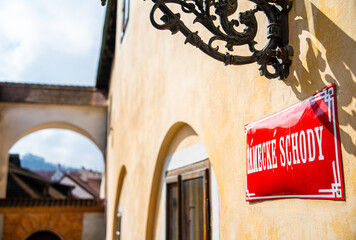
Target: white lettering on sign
(295, 148)
(262, 157)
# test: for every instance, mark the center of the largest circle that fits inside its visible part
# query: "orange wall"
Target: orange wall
(17, 226)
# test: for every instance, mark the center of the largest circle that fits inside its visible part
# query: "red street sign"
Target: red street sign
(296, 153)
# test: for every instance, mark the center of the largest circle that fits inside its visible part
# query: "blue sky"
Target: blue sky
(61, 146)
(53, 42)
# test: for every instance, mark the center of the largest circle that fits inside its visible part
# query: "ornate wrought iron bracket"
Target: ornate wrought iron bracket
(215, 16)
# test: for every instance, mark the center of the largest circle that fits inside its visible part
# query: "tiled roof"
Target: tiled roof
(52, 94)
(46, 174)
(92, 186)
(23, 183)
(28, 202)
(20, 186)
(14, 190)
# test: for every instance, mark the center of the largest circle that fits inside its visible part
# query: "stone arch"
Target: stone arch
(21, 225)
(44, 235)
(18, 120)
(54, 125)
(157, 178)
(180, 137)
(58, 125)
(155, 186)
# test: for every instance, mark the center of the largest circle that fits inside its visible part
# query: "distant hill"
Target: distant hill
(36, 163)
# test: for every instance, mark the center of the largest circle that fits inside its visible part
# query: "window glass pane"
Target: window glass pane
(193, 207)
(125, 16)
(172, 211)
(126, 9)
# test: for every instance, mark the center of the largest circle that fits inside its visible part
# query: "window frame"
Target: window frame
(178, 176)
(125, 18)
(185, 157)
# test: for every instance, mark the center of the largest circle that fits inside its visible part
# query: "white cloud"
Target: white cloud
(16, 50)
(66, 34)
(31, 29)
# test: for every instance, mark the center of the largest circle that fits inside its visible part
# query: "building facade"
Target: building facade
(177, 116)
(33, 207)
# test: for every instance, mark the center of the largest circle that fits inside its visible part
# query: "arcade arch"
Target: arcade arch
(18, 120)
(62, 126)
(62, 146)
(67, 148)
(43, 235)
(183, 169)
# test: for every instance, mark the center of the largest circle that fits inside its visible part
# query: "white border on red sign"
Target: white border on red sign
(328, 95)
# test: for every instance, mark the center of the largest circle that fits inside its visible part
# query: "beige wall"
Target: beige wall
(18, 120)
(93, 226)
(158, 81)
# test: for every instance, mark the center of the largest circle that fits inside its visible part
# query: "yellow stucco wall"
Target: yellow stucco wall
(158, 81)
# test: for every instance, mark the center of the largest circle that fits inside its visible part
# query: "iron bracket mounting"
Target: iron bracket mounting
(216, 16)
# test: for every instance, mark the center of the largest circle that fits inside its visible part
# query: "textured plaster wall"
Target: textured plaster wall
(158, 81)
(18, 120)
(93, 226)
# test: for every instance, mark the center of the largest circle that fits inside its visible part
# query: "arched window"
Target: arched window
(189, 196)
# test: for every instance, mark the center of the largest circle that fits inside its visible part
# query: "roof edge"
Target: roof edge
(52, 94)
(107, 51)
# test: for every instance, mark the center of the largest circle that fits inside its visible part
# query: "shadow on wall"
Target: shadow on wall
(328, 57)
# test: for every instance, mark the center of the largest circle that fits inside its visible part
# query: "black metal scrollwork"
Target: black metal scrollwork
(276, 53)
